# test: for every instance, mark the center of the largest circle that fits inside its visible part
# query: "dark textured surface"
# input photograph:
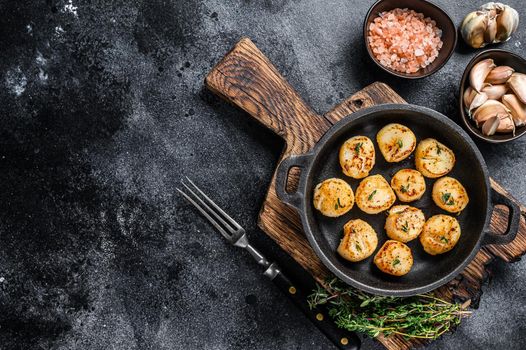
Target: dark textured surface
(103, 111)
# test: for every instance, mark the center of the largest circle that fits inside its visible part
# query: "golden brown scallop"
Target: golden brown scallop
(394, 258)
(449, 194)
(404, 223)
(396, 142)
(409, 185)
(440, 234)
(333, 197)
(374, 195)
(359, 240)
(433, 159)
(357, 157)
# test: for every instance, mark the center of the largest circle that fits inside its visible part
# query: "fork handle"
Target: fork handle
(319, 316)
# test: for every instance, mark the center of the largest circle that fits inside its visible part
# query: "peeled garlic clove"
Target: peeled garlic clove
(517, 83)
(495, 92)
(507, 23)
(491, 30)
(489, 109)
(469, 95)
(490, 126)
(517, 109)
(473, 28)
(499, 75)
(477, 101)
(506, 124)
(479, 72)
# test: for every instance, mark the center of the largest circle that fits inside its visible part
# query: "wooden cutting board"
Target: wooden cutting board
(246, 78)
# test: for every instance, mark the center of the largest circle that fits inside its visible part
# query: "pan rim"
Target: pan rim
(385, 108)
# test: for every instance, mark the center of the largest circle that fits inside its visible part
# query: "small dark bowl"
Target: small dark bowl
(501, 58)
(443, 20)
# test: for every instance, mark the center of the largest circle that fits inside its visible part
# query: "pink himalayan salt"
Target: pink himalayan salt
(403, 40)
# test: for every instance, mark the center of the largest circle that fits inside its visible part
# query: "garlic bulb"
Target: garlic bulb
(493, 22)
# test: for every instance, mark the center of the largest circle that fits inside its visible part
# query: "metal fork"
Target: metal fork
(236, 235)
(228, 227)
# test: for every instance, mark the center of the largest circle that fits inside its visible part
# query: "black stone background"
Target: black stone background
(103, 111)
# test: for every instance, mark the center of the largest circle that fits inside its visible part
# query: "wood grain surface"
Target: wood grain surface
(246, 78)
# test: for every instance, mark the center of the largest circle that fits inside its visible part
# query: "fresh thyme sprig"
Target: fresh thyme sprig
(423, 316)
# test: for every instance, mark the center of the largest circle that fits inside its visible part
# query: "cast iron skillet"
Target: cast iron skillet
(428, 272)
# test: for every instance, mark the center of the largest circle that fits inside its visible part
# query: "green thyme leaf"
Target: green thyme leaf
(358, 248)
(439, 149)
(396, 262)
(446, 198)
(341, 206)
(371, 195)
(400, 143)
(444, 239)
(404, 189)
(357, 147)
(405, 227)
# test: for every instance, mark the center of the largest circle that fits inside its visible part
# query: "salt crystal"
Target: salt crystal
(404, 40)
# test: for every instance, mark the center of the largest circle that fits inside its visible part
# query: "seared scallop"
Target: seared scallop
(450, 195)
(359, 240)
(357, 157)
(409, 185)
(433, 159)
(374, 195)
(333, 197)
(440, 234)
(396, 142)
(404, 223)
(394, 258)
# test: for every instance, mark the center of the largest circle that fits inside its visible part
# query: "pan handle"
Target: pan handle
(282, 174)
(514, 217)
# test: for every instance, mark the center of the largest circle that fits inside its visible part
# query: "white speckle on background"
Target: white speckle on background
(29, 29)
(41, 63)
(70, 8)
(2, 279)
(518, 44)
(16, 81)
(59, 30)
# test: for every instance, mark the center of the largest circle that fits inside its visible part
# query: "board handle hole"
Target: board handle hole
(499, 219)
(358, 103)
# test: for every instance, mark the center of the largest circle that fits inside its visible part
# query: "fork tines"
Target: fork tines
(217, 217)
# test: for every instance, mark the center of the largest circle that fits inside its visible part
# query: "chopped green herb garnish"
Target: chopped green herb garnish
(371, 195)
(404, 189)
(439, 149)
(405, 227)
(400, 143)
(444, 239)
(357, 147)
(341, 206)
(446, 198)
(396, 262)
(358, 248)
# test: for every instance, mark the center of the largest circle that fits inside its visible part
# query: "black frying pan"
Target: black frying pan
(428, 272)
